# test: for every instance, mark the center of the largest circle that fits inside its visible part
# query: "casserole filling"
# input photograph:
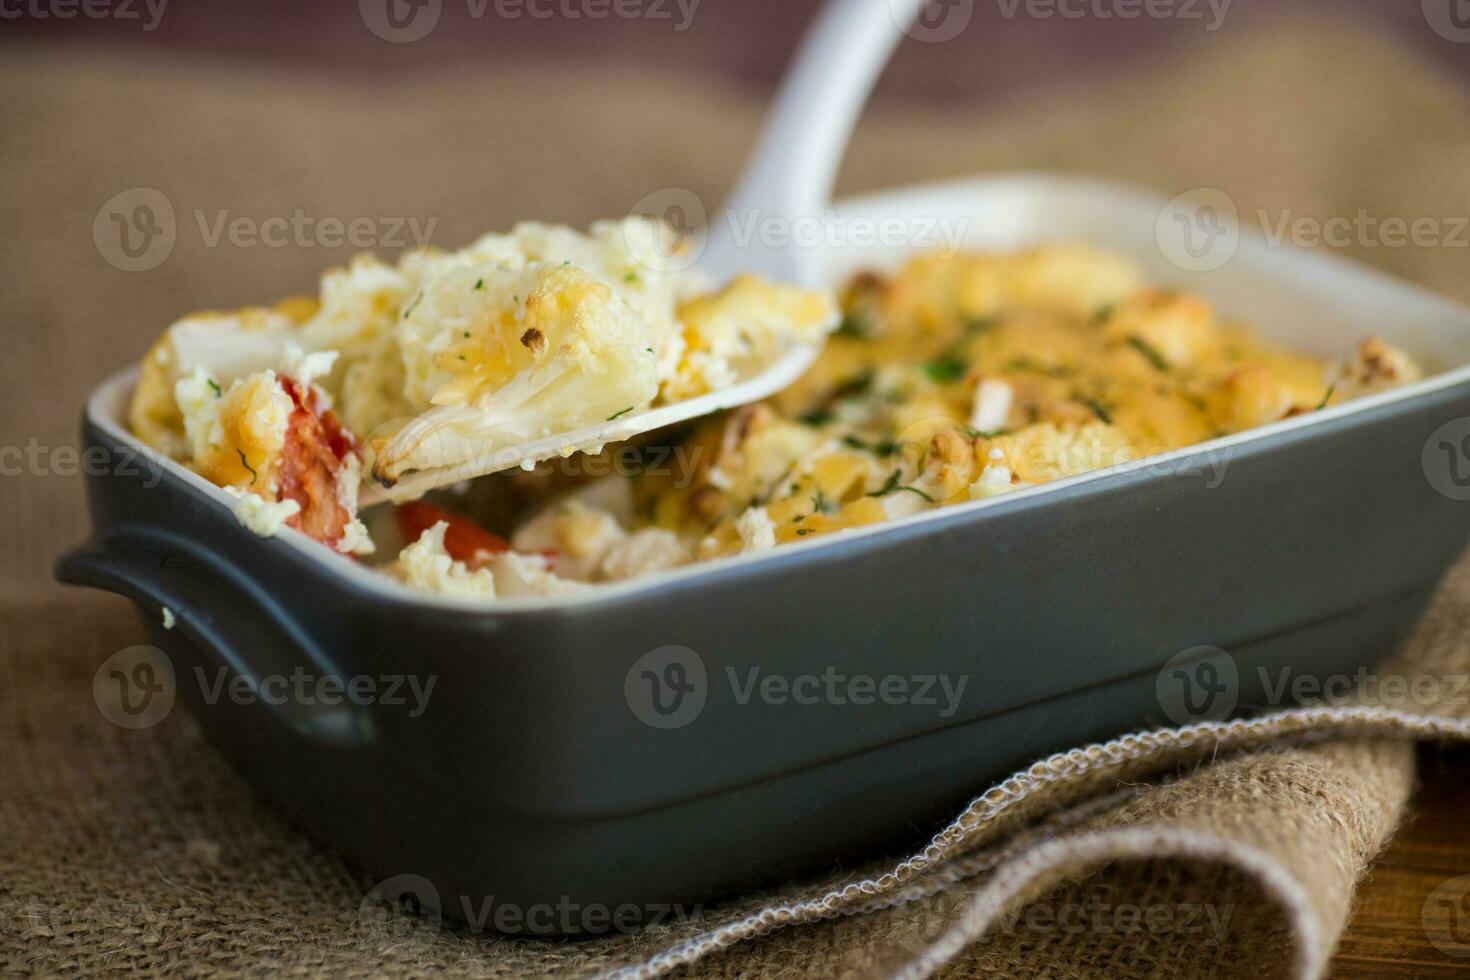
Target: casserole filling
(955, 379)
(448, 357)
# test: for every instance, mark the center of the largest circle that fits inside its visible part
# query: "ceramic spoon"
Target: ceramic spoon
(789, 178)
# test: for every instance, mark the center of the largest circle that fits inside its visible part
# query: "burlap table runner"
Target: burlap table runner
(141, 850)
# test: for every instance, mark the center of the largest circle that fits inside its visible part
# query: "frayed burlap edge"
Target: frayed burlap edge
(1068, 776)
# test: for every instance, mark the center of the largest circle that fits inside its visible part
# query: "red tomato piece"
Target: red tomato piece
(465, 540)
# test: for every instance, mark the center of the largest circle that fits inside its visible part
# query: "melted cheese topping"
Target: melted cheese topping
(964, 378)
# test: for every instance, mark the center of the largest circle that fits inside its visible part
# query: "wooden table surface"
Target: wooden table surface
(1388, 936)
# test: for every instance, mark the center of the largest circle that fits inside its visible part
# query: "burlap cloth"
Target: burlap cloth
(142, 850)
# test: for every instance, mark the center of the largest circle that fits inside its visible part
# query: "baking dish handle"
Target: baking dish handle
(251, 634)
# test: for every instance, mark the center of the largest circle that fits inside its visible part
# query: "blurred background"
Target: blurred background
(1025, 44)
(234, 144)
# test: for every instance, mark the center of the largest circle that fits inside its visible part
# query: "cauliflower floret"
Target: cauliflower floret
(756, 531)
(359, 305)
(579, 535)
(528, 575)
(226, 345)
(995, 479)
(1377, 366)
(501, 372)
(235, 435)
(426, 565)
(643, 552)
(747, 324)
(265, 518)
(992, 407)
(308, 367)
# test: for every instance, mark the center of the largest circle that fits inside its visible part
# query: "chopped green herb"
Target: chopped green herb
(973, 433)
(893, 486)
(214, 385)
(821, 504)
(980, 324)
(410, 308)
(856, 385)
(854, 328)
(880, 447)
(1028, 366)
(1327, 397)
(479, 284)
(649, 349)
(1098, 410)
(798, 519)
(1149, 351)
(947, 369)
(246, 463)
(817, 417)
(802, 532)
(467, 334)
(616, 415)
(1103, 314)
(631, 277)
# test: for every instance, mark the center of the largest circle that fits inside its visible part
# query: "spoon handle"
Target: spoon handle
(790, 174)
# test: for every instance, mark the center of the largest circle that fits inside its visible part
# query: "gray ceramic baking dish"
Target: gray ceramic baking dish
(541, 772)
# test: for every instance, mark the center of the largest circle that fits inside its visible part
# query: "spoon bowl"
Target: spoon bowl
(788, 178)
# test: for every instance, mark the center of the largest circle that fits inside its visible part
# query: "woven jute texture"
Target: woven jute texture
(1218, 850)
